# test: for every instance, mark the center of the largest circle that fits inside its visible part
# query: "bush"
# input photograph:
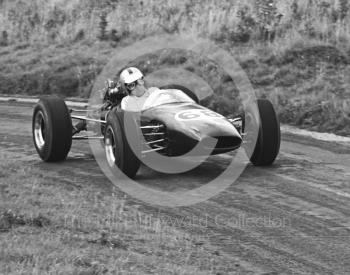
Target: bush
(268, 18)
(246, 26)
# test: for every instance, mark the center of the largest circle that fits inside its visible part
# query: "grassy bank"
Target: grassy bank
(307, 82)
(295, 54)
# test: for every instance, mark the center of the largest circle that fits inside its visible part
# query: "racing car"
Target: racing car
(172, 123)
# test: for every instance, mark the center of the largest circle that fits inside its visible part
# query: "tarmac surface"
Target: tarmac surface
(291, 218)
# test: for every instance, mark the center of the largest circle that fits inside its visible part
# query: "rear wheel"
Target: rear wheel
(118, 150)
(52, 129)
(184, 89)
(269, 136)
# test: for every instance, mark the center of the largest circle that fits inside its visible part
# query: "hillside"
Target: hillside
(295, 53)
(67, 21)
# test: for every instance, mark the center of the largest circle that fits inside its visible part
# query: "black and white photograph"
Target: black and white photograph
(174, 137)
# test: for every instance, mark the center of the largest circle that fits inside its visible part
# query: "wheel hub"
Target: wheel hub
(39, 130)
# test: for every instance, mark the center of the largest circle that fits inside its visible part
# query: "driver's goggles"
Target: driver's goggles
(132, 86)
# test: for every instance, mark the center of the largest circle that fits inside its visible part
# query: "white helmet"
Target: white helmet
(130, 75)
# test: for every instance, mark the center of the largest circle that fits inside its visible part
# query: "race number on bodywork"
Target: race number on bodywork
(196, 114)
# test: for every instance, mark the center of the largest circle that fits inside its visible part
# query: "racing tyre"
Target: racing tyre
(184, 89)
(269, 136)
(118, 150)
(52, 129)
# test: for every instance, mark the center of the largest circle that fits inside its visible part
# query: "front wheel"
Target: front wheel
(118, 150)
(269, 135)
(52, 129)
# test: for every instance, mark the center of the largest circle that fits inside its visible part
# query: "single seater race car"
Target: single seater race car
(172, 123)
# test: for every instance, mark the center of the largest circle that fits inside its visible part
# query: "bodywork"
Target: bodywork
(185, 125)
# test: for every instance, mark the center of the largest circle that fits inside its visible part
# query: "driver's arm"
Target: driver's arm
(115, 94)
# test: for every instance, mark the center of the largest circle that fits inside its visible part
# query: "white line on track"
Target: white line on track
(35, 100)
(315, 135)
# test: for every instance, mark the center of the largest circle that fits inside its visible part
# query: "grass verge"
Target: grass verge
(52, 226)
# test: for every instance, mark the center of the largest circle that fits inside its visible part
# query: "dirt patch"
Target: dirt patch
(9, 220)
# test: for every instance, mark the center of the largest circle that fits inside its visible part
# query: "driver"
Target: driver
(133, 83)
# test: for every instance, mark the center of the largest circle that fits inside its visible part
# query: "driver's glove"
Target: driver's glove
(114, 91)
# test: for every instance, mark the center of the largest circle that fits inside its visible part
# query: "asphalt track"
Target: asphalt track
(291, 218)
